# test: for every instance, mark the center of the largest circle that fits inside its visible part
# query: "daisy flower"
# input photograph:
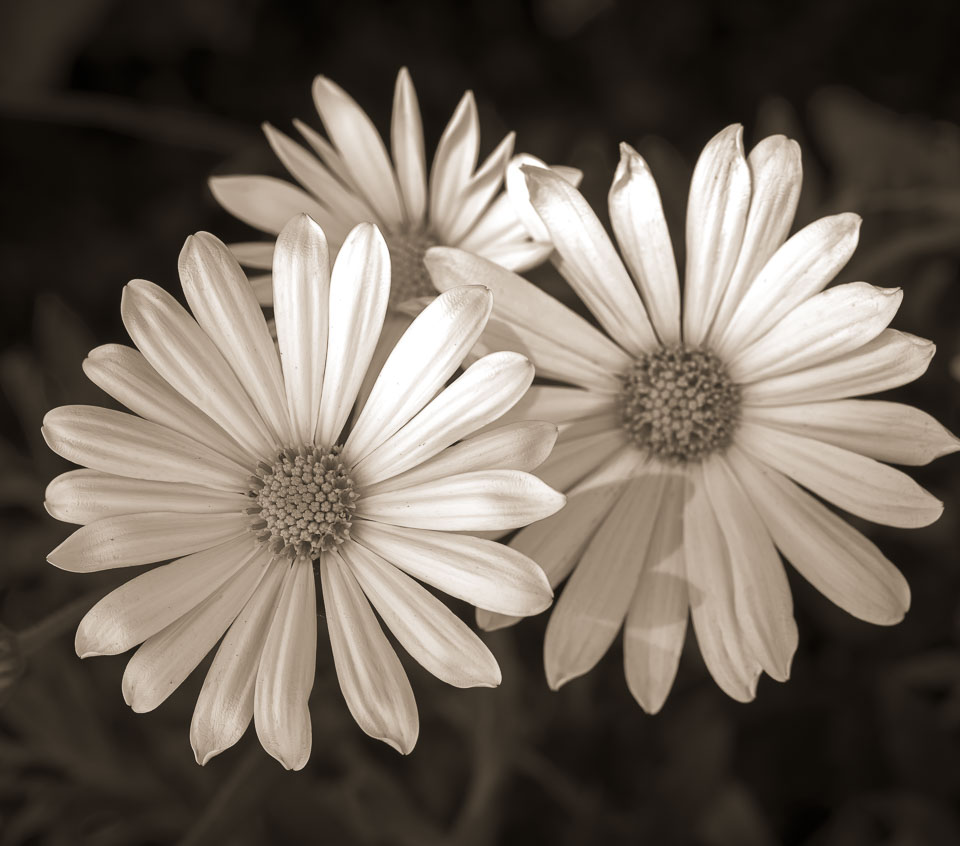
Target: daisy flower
(236, 463)
(351, 179)
(699, 435)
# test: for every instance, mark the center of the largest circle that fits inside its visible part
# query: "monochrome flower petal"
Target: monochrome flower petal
(559, 404)
(455, 159)
(265, 202)
(255, 254)
(476, 195)
(406, 139)
(584, 446)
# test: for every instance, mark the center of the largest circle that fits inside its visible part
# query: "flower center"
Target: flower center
(409, 277)
(679, 403)
(303, 502)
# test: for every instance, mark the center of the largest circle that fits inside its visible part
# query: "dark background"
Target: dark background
(112, 115)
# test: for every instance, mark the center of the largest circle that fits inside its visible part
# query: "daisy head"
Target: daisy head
(350, 179)
(699, 431)
(241, 462)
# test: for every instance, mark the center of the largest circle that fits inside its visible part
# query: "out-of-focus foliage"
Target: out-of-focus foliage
(113, 114)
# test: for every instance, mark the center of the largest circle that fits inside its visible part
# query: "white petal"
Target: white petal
(850, 481)
(183, 354)
(362, 149)
(265, 202)
(594, 603)
(262, 287)
(423, 625)
(481, 572)
(517, 256)
(301, 306)
(255, 254)
(394, 325)
(641, 231)
(83, 496)
(559, 342)
(656, 623)
(761, 594)
(519, 210)
(716, 217)
(487, 389)
(802, 267)
(886, 431)
(162, 663)
(467, 502)
(126, 375)
(406, 140)
(359, 292)
(517, 446)
(588, 261)
(891, 359)
(834, 557)
(287, 666)
(477, 193)
(827, 326)
(559, 405)
(330, 157)
(423, 359)
(500, 224)
(454, 160)
(119, 443)
(577, 456)
(371, 677)
(225, 705)
(224, 305)
(153, 600)
(710, 584)
(346, 209)
(776, 175)
(134, 539)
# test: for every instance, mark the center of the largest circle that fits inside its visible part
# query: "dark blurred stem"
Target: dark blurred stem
(206, 829)
(38, 635)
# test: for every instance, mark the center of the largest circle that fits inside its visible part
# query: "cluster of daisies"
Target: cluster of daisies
(419, 414)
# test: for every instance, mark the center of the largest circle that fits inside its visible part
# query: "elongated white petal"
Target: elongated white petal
(421, 362)
(716, 218)
(886, 431)
(481, 572)
(287, 666)
(394, 325)
(487, 389)
(301, 307)
(134, 539)
(517, 446)
(828, 325)
(361, 148)
(559, 342)
(153, 600)
(346, 207)
(641, 231)
(891, 359)
(834, 557)
(265, 202)
(776, 174)
(588, 260)
(359, 292)
(423, 625)
(477, 193)
(761, 594)
(162, 663)
(455, 159)
(83, 496)
(583, 447)
(227, 310)
(508, 219)
(710, 583)
(330, 157)
(803, 266)
(183, 354)
(557, 543)
(656, 622)
(594, 603)
(850, 481)
(255, 254)
(126, 375)
(406, 140)
(558, 405)
(468, 502)
(114, 442)
(225, 705)
(371, 677)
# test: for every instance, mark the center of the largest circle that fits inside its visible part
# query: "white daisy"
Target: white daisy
(350, 179)
(239, 467)
(688, 434)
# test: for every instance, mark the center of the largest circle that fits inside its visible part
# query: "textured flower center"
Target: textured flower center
(679, 403)
(303, 502)
(409, 277)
